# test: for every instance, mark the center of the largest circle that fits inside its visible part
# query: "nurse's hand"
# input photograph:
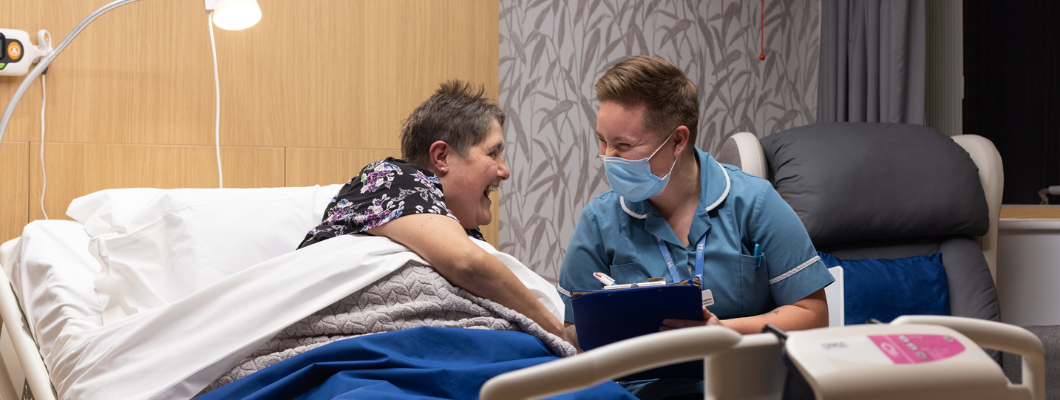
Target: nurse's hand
(708, 319)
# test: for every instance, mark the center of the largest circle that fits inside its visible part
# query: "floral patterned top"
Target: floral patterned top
(384, 190)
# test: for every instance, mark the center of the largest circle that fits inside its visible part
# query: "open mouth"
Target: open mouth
(489, 189)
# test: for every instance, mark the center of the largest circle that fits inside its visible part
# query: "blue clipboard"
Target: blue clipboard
(603, 317)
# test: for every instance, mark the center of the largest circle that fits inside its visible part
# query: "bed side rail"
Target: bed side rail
(26, 350)
(997, 336)
(609, 362)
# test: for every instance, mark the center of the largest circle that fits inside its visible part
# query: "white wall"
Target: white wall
(1028, 273)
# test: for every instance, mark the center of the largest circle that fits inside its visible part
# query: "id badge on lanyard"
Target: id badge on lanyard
(675, 275)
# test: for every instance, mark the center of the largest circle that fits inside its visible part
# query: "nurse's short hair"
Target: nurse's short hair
(671, 99)
(458, 113)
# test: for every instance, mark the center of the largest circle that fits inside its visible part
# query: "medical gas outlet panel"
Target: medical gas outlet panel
(17, 52)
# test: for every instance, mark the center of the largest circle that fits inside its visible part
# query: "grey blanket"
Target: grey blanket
(412, 296)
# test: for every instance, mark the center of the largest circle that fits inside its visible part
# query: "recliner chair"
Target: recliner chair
(859, 168)
(887, 191)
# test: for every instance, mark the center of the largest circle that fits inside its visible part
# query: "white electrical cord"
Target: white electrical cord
(44, 175)
(217, 118)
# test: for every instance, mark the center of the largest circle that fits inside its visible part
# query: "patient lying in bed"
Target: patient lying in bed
(434, 204)
(435, 201)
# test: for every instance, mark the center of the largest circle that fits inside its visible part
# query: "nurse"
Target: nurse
(669, 198)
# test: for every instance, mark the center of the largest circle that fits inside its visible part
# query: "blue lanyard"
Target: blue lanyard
(674, 274)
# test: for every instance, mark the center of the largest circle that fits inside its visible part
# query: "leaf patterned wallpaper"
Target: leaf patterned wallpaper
(553, 51)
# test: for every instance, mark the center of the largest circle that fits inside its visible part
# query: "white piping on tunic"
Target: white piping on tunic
(728, 185)
(622, 200)
(795, 270)
(563, 291)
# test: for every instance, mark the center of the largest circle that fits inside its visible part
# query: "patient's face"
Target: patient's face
(471, 179)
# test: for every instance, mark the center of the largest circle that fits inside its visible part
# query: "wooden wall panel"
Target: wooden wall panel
(14, 189)
(131, 101)
(75, 170)
(355, 71)
(298, 75)
(140, 74)
(308, 167)
(333, 74)
(25, 122)
(446, 46)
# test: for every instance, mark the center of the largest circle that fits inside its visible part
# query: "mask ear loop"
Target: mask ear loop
(663, 143)
(660, 148)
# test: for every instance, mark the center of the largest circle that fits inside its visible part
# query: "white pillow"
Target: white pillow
(101, 210)
(182, 240)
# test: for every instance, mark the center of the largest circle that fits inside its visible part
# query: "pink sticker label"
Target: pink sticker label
(915, 349)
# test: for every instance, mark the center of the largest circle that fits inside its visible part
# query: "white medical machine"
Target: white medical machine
(892, 362)
(18, 52)
(912, 358)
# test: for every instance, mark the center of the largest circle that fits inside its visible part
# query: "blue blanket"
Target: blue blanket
(418, 363)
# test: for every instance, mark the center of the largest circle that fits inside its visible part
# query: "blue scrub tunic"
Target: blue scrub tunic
(736, 211)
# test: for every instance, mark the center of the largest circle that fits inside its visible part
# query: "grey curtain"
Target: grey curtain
(873, 61)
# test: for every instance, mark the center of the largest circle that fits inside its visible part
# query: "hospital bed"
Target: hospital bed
(154, 293)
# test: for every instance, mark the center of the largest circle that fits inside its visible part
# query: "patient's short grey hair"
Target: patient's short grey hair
(458, 114)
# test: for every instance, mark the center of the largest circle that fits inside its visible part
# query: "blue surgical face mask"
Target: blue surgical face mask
(632, 179)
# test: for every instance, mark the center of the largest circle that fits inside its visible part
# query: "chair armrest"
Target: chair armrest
(836, 301)
(992, 176)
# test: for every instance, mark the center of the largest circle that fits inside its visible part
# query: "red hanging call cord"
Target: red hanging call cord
(762, 33)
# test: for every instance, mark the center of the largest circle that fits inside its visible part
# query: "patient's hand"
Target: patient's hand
(708, 319)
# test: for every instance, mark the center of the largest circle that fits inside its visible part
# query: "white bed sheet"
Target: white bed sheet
(51, 272)
(173, 351)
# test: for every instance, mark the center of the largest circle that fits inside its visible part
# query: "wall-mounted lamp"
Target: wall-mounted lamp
(234, 15)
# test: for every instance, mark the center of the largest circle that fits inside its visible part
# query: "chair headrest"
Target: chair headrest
(872, 181)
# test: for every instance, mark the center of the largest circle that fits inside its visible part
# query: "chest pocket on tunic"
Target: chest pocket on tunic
(754, 282)
(629, 273)
(747, 290)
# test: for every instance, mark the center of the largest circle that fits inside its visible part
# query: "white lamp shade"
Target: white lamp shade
(234, 15)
